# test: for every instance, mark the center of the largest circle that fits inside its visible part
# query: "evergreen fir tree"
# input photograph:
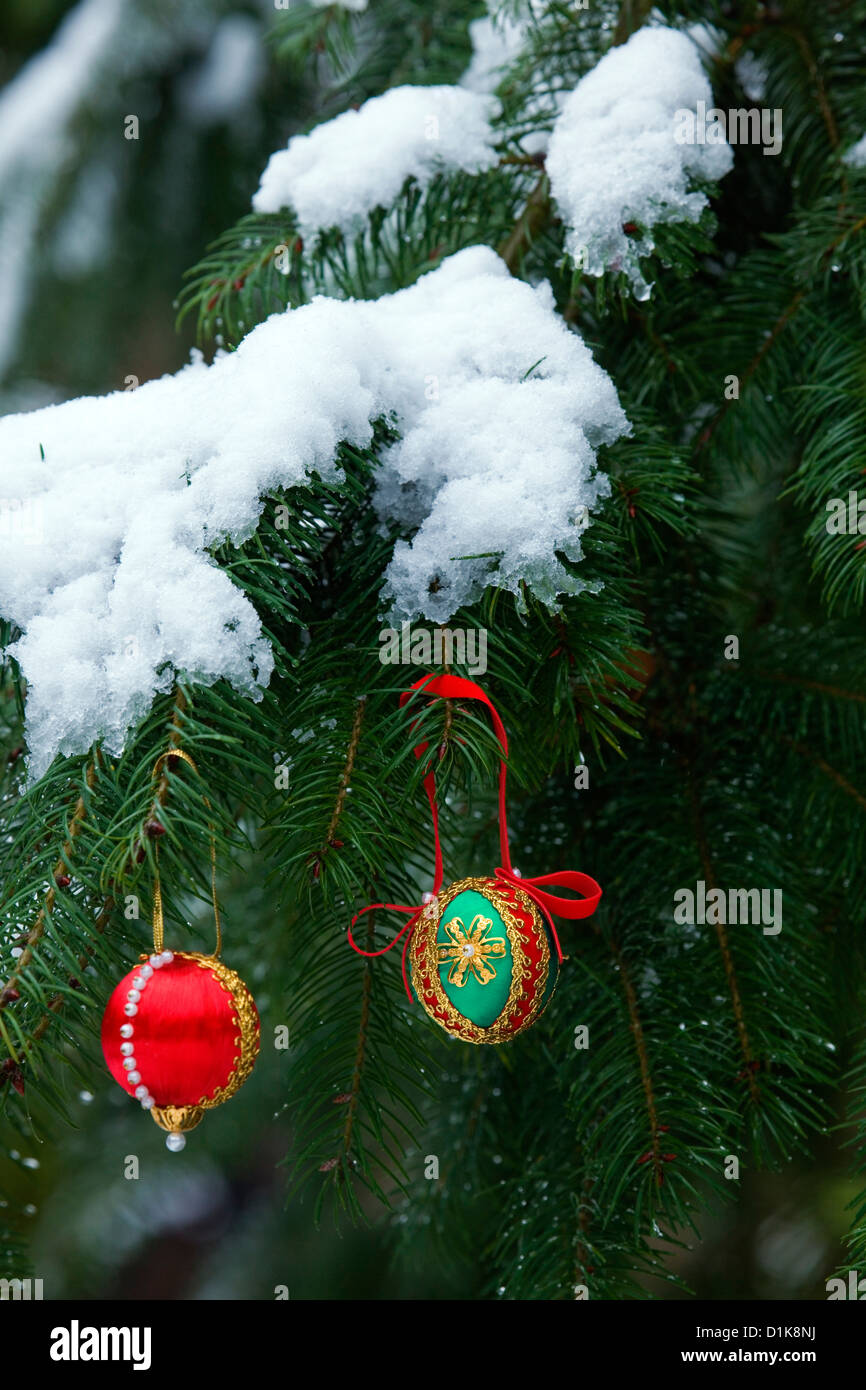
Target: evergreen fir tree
(686, 710)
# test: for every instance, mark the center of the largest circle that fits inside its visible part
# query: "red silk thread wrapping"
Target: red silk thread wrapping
(185, 1038)
(572, 909)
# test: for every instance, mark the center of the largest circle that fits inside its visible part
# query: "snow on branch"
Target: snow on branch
(360, 160)
(614, 159)
(496, 42)
(104, 561)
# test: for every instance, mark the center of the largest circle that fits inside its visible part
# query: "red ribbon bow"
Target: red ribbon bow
(455, 687)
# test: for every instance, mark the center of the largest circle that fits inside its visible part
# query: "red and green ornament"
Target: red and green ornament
(482, 955)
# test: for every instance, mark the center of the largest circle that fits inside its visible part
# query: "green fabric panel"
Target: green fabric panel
(481, 1004)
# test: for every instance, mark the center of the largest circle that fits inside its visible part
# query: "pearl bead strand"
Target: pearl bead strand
(173, 1142)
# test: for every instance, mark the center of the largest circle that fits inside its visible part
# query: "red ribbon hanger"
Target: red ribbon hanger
(570, 909)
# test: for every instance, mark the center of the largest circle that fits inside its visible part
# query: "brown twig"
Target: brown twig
(361, 1049)
(643, 1061)
(724, 945)
(38, 929)
(530, 222)
(584, 1217)
(632, 14)
(347, 771)
(317, 858)
(837, 692)
(824, 105)
(815, 758)
(781, 323)
(449, 710)
(180, 705)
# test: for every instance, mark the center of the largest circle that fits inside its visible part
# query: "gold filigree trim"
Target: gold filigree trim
(470, 951)
(247, 1021)
(424, 961)
(177, 1118)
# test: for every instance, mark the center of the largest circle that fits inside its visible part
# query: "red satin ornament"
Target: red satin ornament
(192, 1034)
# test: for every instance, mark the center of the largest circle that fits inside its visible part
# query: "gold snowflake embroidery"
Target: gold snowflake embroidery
(471, 951)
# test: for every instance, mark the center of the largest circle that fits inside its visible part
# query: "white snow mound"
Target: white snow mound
(614, 158)
(360, 160)
(104, 542)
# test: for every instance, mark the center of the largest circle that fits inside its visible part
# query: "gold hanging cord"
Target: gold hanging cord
(158, 924)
